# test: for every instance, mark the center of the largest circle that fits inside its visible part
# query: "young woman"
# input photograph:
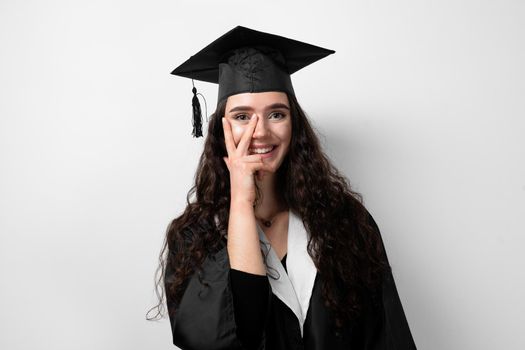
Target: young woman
(274, 250)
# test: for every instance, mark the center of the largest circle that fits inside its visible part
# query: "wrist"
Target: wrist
(241, 204)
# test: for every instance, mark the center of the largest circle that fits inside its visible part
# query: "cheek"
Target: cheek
(237, 132)
(285, 134)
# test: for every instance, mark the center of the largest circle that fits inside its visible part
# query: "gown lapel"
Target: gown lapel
(301, 268)
(295, 287)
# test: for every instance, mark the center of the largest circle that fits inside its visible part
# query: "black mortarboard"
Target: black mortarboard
(246, 60)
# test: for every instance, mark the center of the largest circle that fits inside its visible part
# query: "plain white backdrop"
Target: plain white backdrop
(422, 108)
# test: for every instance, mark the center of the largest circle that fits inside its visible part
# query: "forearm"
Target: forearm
(244, 250)
(251, 296)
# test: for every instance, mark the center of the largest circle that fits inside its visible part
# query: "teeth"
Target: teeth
(261, 150)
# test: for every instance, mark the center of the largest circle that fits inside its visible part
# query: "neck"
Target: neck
(270, 202)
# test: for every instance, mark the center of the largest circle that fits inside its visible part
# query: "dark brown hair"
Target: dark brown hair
(344, 244)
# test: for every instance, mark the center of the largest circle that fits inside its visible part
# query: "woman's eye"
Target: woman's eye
(277, 115)
(241, 117)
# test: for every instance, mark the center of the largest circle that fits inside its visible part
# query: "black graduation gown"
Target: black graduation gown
(206, 317)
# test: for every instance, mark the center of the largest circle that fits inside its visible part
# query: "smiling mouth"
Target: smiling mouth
(263, 150)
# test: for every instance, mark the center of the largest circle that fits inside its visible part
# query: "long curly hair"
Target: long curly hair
(345, 244)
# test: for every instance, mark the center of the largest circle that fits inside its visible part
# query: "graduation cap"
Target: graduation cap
(246, 60)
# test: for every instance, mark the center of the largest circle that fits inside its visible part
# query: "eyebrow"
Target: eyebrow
(248, 108)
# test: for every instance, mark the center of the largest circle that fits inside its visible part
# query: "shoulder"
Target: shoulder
(371, 221)
(194, 231)
(380, 244)
(195, 241)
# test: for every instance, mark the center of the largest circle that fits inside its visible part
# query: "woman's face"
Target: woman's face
(273, 132)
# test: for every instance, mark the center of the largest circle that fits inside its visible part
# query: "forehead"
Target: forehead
(257, 100)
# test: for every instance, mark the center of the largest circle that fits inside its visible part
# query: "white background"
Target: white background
(422, 107)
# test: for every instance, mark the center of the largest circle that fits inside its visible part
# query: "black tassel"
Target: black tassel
(197, 115)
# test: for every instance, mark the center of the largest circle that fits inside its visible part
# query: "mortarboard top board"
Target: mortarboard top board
(246, 60)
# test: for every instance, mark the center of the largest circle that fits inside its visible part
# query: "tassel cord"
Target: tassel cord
(205, 105)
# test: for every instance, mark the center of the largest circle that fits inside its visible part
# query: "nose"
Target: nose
(261, 129)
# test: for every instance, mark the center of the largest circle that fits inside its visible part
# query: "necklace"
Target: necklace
(268, 222)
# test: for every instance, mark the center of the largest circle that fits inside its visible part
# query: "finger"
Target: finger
(247, 136)
(253, 158)
(228, 138)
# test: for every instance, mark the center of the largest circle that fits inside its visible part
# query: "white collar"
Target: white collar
(295, 287)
